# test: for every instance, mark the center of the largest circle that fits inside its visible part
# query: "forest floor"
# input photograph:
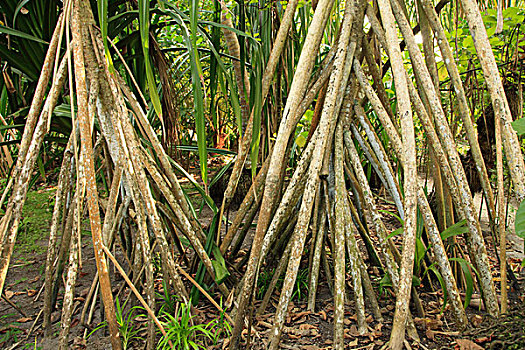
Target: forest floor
(20, 318)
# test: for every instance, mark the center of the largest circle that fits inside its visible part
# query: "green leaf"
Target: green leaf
(415, 281)
(421, 250)
(468, 42)
(385, 281)
(519, 126)
(495, 41)
(219, 266)
(144, 22)
(468, 279)
(393, 214)
(9, 127)
(519, 223)
(395, 233)
(438, 275)
(300, 140)
(14, 32)
(257, 118)
(102, 6)
(221, 151)
(190, 40)
(198, 187)
(19, 7)
(236, 31)
(510, 12)
(221, 172)
(454, 230)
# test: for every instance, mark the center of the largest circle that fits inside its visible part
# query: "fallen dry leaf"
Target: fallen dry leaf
(300, 315)
(24, 319)
(310, 347)
(428, 323)
(322, 314)
(354, 342)
(300, 332)
(9, 294)
(466, 344)
(79, 343)
(265, 324)
(476, 320)
(483, 339)
(301, 320)
(353, 331)
(31, 292)
(75, 322)
(226, 343)
(307, 326)
(229, 300)
(244, 333)
(376, 333)
(371, 336)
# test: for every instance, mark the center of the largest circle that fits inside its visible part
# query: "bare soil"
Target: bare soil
(20, 327)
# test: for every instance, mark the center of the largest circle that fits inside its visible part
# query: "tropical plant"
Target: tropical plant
(12, 331)
(182, 332)
(301, 285)
(168, 300)
(318, 96)
(219, 326)
(129, 331)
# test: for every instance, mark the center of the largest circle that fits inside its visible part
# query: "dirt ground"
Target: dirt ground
(20, 319)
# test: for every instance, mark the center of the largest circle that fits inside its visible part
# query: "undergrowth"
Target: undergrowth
(182, 328)
(34, 226)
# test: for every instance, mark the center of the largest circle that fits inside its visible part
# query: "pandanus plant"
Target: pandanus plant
(105, 65)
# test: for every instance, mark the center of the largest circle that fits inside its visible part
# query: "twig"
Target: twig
(205, 294)
(24, 264)
(94, 284)
(39, 292)
(13, 305)
(136, 292)
(15, 345)
(34, 324)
